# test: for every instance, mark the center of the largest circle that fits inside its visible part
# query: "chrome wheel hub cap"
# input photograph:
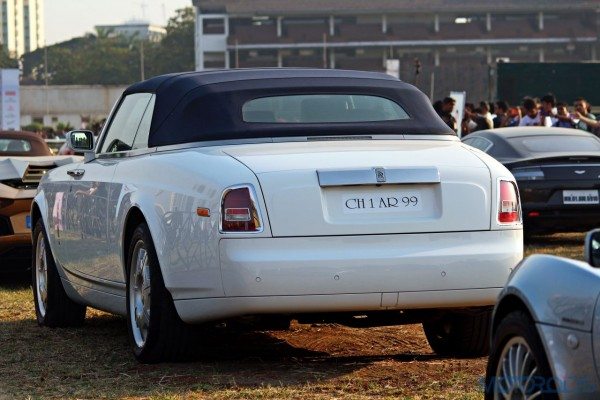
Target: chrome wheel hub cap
(516, 372)
(139, 294)
(41, 275)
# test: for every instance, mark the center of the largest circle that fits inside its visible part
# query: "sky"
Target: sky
(71, 18)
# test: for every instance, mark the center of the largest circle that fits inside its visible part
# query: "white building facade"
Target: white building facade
(138, 30)
(22, 26)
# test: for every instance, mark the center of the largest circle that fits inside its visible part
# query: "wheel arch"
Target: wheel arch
(509, 303)
(36, 213)
(554, 290)
(134, 218)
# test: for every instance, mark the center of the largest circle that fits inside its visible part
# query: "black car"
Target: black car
(557, 171)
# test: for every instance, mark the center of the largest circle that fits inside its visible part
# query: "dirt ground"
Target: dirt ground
(307, 362)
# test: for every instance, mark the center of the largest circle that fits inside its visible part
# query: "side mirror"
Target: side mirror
(592, 248)
(80, 141)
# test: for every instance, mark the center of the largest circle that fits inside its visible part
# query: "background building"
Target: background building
(22, 25)
(138, 29)
(441, 45)
(73, 104)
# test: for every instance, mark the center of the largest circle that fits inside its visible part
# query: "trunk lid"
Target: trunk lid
(369, 187)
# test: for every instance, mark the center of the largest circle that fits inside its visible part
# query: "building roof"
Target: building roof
(304, 7)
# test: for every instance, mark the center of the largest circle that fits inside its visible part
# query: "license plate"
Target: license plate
(28, 221)
(581, 197)
(382, 202)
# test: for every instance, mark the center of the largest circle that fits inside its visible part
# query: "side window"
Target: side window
(141, 139)
(124, 126)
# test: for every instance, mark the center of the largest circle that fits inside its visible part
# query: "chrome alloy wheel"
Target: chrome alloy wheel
(139, 294)
(41, 275)
(516, 372)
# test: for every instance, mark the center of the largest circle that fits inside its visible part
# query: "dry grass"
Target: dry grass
(307, 362)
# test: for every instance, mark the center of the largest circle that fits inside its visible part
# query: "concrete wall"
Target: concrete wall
(71, 104)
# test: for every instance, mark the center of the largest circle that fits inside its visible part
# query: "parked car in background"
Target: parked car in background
(24, 160)
(322, 195)
(557, 170)
(55, 144)
(546, 330)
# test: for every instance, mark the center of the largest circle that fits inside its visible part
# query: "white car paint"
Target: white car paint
(308, 257)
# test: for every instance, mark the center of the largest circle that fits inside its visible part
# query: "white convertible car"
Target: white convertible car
(319, 195)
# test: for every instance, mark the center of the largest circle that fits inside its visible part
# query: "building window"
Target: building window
(214, 60)
(213, 26)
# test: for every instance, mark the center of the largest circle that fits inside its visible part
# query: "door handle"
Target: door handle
(77, 173)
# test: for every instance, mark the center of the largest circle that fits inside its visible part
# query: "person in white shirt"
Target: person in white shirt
(532, 115)
(485, 112)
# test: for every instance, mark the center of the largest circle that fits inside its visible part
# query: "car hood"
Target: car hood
(16, 167)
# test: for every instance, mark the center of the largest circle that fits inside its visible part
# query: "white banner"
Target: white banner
(459, 109)
(10, 109)
(392, 68)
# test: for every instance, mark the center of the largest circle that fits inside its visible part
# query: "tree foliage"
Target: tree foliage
(107, 59)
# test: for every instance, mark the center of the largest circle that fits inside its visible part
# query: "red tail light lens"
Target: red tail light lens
(239, 211)
(509, 206)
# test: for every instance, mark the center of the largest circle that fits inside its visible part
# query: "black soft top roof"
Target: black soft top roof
(201, 106)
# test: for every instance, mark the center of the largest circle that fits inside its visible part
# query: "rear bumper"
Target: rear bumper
(565, 219)
(358, 273)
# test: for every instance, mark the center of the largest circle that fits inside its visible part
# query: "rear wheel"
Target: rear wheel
(518, 366)
(155, 330)
(460, 333)
(53, 308)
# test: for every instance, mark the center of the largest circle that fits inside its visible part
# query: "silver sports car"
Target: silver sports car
(546, 330)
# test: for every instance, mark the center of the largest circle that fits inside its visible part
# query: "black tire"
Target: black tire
(58, 310)
(168, 338)
(516, 326)
(460, 333)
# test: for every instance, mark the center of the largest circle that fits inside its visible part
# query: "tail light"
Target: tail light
(239, 210)
(509, 207)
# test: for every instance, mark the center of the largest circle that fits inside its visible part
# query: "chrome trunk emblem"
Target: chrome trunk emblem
(380, 175)
(580, 172)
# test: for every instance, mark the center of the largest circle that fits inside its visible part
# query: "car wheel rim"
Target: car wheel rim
(139, 295)
(41, 275)
(516, 372)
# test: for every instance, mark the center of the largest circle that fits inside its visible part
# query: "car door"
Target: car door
(93, 186)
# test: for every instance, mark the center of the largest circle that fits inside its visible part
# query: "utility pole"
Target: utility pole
(324, 50)
(46, 78)
(237, 54)
(142, 64)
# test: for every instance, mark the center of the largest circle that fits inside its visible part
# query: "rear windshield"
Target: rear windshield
(334, 108)
(15, 146)
(551, 144)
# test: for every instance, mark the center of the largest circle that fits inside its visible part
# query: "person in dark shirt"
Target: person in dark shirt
(446, 114)
(501, 119)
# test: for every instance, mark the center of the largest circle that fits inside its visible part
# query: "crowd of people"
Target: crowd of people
(545, 111)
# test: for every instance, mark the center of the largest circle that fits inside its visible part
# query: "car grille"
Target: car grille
(32, 177)
(35, 173)
(5, 226)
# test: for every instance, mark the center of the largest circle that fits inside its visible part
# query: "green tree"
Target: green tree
(108, 59)
(6, 61)
(175, 53)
